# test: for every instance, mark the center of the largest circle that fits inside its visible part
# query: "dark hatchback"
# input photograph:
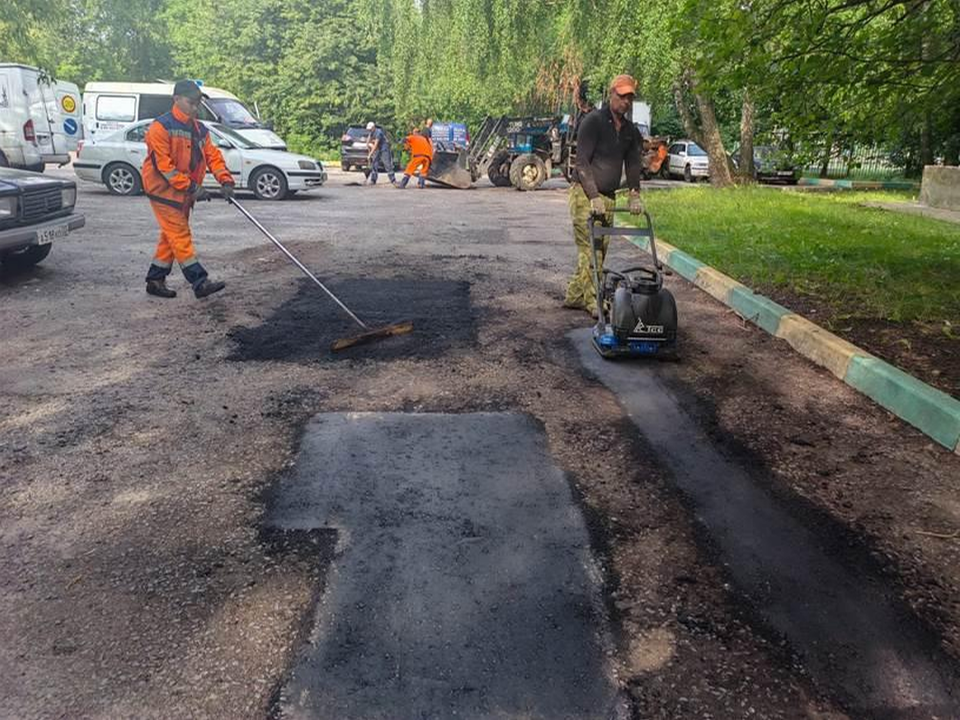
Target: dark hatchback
(35, 210)
(773, 164)
(354, 150)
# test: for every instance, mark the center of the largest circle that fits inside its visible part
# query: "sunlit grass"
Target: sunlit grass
(862, 262)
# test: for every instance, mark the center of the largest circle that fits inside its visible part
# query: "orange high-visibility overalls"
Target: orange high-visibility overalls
(421, 155)
(179, 151)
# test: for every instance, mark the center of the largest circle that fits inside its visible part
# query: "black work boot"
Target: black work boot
(160, 289)
(208, 287)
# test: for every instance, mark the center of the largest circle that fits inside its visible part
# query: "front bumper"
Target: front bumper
(700, 171)
(19, 237)
(777, 175)
(305, 179)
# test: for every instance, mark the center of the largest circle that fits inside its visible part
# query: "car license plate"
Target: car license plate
(48, 235)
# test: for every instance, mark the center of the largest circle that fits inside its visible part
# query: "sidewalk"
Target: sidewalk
(915, 208)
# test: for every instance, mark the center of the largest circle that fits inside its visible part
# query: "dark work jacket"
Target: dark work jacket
(602, 154)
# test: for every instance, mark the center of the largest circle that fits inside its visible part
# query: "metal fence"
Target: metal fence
(861, 163)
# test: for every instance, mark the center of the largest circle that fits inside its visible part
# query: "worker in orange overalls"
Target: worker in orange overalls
(179, 151)
(421, 155)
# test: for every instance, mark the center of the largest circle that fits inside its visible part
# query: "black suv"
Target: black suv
(354, 151)
(35, 210)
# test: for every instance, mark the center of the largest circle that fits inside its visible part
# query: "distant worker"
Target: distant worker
(421, 155)
(179, 151)
(607, 142)
(428, 129)
(379, 154)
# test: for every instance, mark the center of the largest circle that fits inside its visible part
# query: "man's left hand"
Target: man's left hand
(228, 190)
(635, 204)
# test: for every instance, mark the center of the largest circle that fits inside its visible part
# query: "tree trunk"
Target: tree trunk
(747, 170)
(827, 154)
(686, 117)
(926, 141)
(720, 175)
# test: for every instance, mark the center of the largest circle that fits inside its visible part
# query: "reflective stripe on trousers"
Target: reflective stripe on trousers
(175, 243)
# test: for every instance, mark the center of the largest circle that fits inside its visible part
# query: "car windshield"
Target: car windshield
(233, 136)
(695, 150)
(232, 112)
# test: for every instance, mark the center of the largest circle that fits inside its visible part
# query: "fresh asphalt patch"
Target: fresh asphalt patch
(462, 583)
(303, 328)
(854, 635)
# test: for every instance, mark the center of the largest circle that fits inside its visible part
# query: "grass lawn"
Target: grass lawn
(853, 261)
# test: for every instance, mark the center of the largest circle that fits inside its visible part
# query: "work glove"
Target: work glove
(598, 208)
(228, 191)
(635, 204)
(200, 194)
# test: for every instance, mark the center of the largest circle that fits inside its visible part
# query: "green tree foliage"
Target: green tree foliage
(826, 73)
(21, 28)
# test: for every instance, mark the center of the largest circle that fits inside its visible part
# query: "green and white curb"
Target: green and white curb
(931, 411)
(860, 184)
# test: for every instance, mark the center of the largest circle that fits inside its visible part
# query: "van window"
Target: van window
(121, 108)
(152, 106)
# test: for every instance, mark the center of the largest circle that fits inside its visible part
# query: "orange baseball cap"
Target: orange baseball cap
(624, 85)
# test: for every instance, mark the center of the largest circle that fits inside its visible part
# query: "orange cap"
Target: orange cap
(624, 85)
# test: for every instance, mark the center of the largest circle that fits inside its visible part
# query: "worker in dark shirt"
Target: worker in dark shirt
(607, 142)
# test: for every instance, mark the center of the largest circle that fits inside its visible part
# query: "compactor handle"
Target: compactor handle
(598, 231)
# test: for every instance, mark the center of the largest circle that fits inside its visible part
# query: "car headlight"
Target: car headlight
(306, 165)
(8, 208)
(68, 196)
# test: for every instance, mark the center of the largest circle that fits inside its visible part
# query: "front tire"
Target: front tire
(268, 183)
(527, 172)
(25, 258)
(345, 166)
(687, 174)
(122, 179)
(499, 171)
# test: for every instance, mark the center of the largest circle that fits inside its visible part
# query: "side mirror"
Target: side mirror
(268, 125)
(224, 143)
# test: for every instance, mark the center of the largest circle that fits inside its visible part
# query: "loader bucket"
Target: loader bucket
(449, 167)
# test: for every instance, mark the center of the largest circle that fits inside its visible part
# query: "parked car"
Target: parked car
(35, 210)
(116, 159)
(688, 160)
(354, 150)
(39, 118)
(773, 164)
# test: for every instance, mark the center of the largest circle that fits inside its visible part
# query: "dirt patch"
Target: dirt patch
(922, 349)
(302, 329)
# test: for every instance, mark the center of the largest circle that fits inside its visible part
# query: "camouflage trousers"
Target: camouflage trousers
(581, 289)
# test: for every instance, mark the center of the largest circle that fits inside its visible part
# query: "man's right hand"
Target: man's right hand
(598, 208)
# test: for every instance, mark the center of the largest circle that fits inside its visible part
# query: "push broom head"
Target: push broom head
(400, 328)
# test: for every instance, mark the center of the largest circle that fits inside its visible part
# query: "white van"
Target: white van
(40, 119)
(111, 106)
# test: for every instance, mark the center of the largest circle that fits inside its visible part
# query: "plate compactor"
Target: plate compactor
(636, 316)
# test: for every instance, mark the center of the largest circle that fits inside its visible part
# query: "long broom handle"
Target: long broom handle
(296, 262)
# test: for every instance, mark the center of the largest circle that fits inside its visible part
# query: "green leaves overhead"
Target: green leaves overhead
(853, 71)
